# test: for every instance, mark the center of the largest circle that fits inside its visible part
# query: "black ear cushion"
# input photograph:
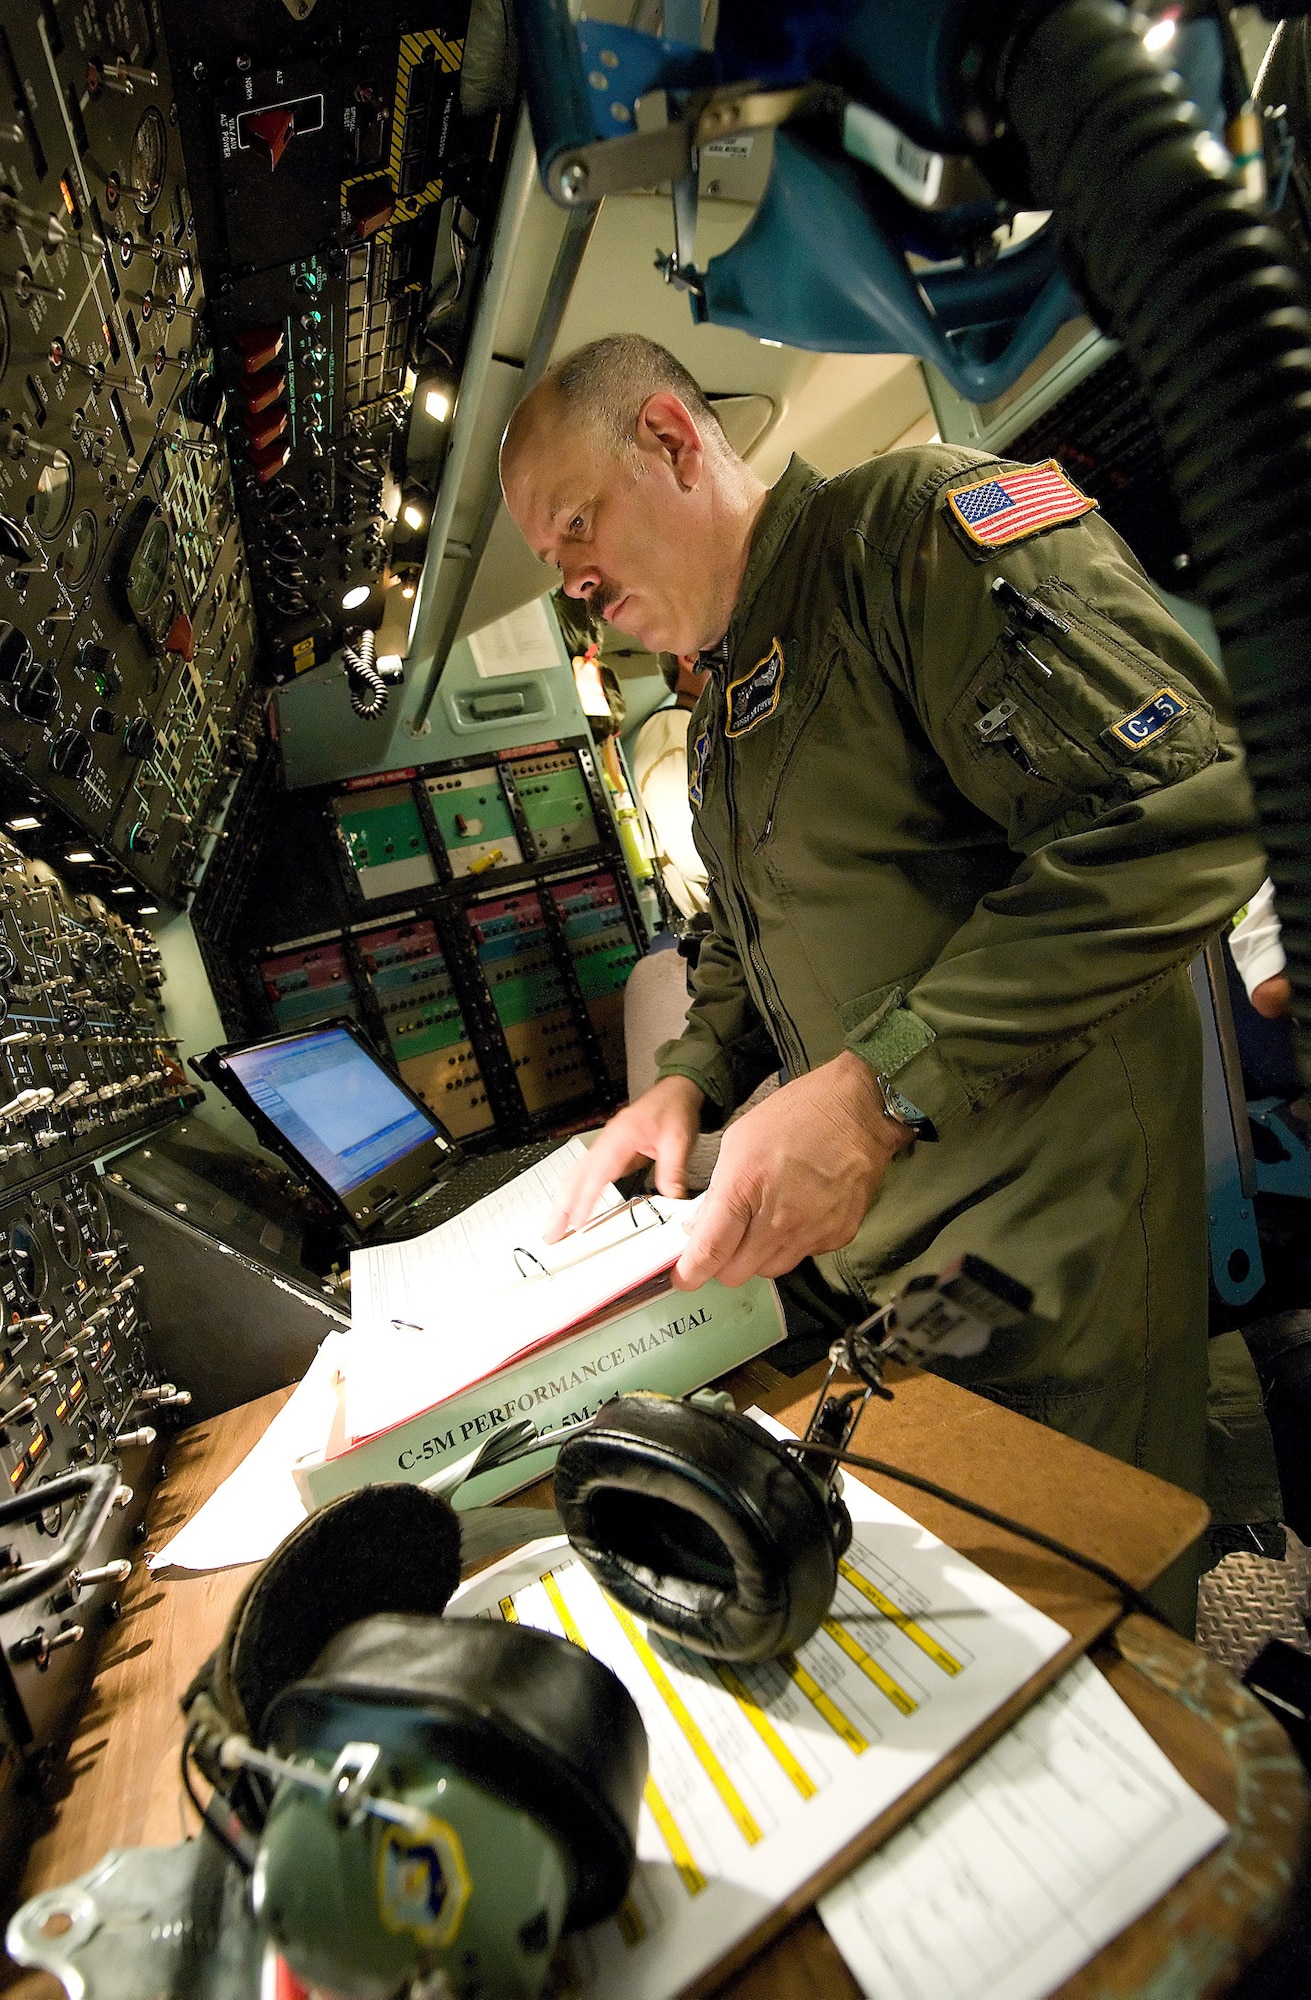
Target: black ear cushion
(700, 1523)
(527, 1715)
(392, 1547)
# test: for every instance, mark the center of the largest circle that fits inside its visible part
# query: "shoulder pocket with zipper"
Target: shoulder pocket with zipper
(1052, 732)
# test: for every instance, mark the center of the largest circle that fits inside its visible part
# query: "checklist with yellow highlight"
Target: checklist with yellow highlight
(761, 1774)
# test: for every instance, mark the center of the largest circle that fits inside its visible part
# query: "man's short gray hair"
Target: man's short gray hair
(607, 382)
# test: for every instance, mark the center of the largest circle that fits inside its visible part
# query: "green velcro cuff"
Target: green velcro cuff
(901, 1046)
(888, 1040)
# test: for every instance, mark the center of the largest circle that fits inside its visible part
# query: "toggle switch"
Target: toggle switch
(264, 389)
(260, 347)
(267, 461)
(371, 204)
(181, 637)
(265, 426)
(272, 131)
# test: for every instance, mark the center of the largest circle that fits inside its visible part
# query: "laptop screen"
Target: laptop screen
(334, 1104)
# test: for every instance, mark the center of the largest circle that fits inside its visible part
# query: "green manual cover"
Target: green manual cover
(673, 1343)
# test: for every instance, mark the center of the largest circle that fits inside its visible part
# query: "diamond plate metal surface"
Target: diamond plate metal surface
(1248, 1599)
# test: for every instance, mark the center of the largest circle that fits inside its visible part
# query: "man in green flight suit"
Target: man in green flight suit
(970, 804)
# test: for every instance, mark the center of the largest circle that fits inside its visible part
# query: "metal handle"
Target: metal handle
(551, 66)
(99, 1484)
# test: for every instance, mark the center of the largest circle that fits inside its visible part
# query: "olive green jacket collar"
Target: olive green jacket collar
(777, 519)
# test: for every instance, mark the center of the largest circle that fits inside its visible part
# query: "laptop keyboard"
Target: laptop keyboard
(470, 1181)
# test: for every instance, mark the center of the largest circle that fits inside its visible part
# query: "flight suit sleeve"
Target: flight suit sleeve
(1101, 742)
(725, 1049)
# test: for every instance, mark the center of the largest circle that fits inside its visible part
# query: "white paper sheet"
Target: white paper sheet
(431, 1316)
(1062, 1833)
(472, 1251)
(258, 1504)
(761, 1774)
(525, 641)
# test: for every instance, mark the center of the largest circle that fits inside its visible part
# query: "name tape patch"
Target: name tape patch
(1010, 505)
(1136, 730)
(696, 784)
(753, 697)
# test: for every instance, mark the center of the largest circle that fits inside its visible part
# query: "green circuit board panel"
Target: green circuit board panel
(554, 800)
(386, 842)
(474, 821)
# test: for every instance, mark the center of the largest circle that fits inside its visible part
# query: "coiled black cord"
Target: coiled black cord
(1198, 287)
(366, 686)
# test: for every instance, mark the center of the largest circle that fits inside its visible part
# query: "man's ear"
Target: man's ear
(666, 428)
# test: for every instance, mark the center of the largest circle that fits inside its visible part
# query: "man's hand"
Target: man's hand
(1273, 997)
(794, 1176)
(660, 1125)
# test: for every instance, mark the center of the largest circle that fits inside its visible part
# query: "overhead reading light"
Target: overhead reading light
(356, 596)
(412, 516)
(407, 591)
(148, 910)
(123, 889)
(437, 404)
(24, 824)
(1160, 34)
(80, 854)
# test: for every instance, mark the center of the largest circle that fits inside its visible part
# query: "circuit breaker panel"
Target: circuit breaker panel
(475, 917)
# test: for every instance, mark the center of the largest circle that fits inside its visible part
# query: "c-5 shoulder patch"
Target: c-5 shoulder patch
(753, 696)
(1009, 506)
(696, 784)
(1144, 724)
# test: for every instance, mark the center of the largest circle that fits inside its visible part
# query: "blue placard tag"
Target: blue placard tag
(753, 697)
(696, 786)
(1136, 730)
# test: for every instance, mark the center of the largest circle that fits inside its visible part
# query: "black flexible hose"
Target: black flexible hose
(1199, 290)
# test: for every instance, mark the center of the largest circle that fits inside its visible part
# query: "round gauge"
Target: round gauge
(156, 622)
(140, 559)
(54, 496)
(79, 551)
(148, 571)
(146, 160)
(67, 1235)
(95, 1216)
(27, 1262)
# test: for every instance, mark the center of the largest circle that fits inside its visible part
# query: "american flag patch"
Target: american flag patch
(1010, 505)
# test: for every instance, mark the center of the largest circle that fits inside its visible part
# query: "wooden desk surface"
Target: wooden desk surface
(120, 1785)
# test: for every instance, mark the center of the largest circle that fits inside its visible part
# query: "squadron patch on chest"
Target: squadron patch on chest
(696, 784)
(1012, 505)
(753, 697)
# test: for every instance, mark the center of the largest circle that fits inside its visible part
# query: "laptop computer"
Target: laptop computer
(324, 1101)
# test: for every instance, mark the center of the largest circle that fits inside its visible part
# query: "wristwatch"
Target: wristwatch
(901, 1109)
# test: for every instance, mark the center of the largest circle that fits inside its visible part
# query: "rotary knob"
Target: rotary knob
(104, 721)
(15, 653)
(37, 695)
(71, 754)
(204, 398)
(139, 737)
(14, 543)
